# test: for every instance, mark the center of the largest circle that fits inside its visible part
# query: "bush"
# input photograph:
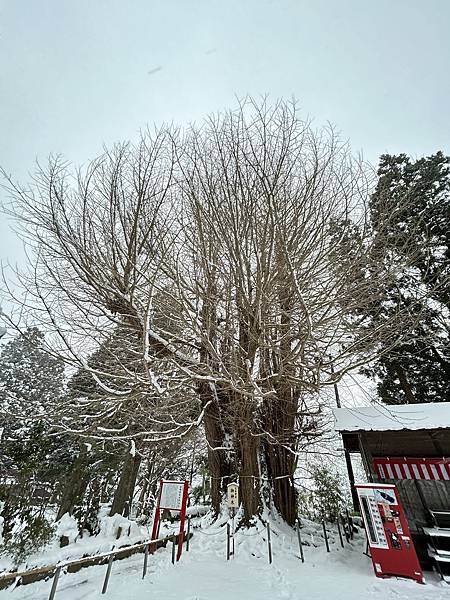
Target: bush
(29, 533)
(326, 498)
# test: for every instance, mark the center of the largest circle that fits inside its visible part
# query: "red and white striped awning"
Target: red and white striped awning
(434, 469)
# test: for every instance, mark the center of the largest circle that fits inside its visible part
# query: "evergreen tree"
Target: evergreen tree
(31, 385)
(410, 214)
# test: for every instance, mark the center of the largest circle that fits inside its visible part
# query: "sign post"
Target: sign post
(172, 496)
(233, 504)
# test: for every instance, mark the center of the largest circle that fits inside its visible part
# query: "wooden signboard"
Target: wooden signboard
(172, 496)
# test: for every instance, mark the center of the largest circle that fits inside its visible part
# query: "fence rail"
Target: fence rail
(73, 566)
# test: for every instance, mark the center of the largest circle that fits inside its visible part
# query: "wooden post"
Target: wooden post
(340, 533)
(55, 583)
(269, 543)
(188, 533)
(300, 546)
(144, 570)
(228, 541)
(325, 536)
(173, 549)
(108, 573)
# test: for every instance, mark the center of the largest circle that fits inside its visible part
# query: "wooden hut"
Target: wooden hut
(408, 445)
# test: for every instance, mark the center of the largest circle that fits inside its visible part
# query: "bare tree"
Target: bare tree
(264, 294)
(215, 252)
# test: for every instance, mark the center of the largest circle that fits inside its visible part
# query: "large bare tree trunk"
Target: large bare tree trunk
(249, 475)
(75, 484)
(220, 465)
(125, 487)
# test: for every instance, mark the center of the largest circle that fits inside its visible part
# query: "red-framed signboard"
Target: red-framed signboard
(172, 496)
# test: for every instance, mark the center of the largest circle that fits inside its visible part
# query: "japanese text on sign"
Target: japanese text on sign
(172, 495)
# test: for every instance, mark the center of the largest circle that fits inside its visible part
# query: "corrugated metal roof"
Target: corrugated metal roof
(380, 417)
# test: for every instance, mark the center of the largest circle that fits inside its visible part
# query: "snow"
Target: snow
(380, 417)
(205, 574)
(131, 533)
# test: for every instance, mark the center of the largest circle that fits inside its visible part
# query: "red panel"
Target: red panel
(391, 546)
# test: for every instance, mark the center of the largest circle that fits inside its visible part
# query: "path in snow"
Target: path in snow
(204, 574)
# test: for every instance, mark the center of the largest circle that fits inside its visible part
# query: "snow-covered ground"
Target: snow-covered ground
(204, 573)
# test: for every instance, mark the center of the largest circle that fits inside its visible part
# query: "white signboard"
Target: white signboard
(233, 495)
(172, 495)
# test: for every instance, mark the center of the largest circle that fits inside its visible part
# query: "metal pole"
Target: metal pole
(233, 530)
(191, 474)
(300, 546)
(351, 477)
(55, 583)
(228, 541)
(345, 526)
(108, 573)
(340, 533)
(173, 549)
(269, 543)
(188, 533)
(325, 536)
(350, 524)
(144, 570)
(348, 460)
(336, 390)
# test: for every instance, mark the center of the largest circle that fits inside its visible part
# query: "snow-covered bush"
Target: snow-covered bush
(29, 534)
(326, 498)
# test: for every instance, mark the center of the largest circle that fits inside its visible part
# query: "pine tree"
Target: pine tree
(31, 385)
(410, 213)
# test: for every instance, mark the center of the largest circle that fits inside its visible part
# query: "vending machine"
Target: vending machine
(390, 543)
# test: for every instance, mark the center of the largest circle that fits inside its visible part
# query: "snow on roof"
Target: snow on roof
(393, 418)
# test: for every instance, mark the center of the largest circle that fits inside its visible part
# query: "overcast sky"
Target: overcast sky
(75, 74)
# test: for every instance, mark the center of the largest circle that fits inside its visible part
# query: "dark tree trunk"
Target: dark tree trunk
(75, 484)
(280, 467)
(280, 416)
(145, 487)
(125, 487)
(404, 383)
(220, 467)
(249, 475)
(279, 451)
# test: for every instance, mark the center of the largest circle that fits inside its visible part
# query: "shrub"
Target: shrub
(29, 533)
(326, 498)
